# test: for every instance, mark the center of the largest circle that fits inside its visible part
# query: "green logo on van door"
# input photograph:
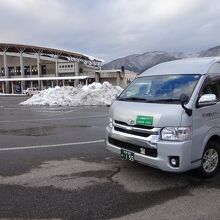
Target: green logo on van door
(144, 120)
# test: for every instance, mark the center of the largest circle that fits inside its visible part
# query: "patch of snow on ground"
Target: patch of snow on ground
(93, 94)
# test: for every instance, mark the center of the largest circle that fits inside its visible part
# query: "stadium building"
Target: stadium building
(26, 66)
(23, 66)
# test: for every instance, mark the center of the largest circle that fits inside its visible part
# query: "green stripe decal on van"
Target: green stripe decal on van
(144, 120)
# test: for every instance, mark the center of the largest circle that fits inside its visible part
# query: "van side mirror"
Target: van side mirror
(207, 99)
(183, 100)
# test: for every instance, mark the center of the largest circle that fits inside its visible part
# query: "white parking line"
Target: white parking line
(51, 119)
(52, 145)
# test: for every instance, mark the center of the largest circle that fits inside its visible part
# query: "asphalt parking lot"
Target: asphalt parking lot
(53, 165)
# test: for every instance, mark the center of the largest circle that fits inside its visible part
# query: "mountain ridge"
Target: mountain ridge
(141, 62)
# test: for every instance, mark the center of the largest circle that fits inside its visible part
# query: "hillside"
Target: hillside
(141, 62)
(214, 51)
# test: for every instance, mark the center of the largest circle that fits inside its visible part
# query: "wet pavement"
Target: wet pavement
(53, 165)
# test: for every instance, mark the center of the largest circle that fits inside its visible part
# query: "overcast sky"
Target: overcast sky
(109, 29)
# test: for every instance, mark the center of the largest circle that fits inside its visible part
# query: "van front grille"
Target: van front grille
(132, 132)
(132, 147)
(134, 126)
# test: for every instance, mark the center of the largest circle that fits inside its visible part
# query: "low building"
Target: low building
(118, 77)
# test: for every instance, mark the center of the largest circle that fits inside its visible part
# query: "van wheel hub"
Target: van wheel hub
(210, 160)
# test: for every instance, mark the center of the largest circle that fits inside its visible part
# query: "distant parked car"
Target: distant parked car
(30, 91)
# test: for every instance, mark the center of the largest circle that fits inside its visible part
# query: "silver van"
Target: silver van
(169, 117)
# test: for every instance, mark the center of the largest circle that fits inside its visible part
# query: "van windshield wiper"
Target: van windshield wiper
(132, 99)
(148, 100)
(163, 100)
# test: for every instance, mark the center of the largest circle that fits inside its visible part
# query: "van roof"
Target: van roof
(202, 65)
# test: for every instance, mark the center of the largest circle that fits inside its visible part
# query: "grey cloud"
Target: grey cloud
(113, 28)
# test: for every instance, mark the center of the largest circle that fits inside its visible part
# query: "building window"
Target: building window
(18, 70)
(11, 71)
(2, 71)
(43, 69)
(26, 70)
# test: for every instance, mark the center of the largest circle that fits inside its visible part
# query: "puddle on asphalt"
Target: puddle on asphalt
(97, 174)
(34, 131)
(77, 126)
(71, 174)
(38, 131)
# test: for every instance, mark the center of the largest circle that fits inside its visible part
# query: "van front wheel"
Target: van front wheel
(210, 160)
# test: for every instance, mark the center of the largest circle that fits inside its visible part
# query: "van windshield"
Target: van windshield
(160, 89)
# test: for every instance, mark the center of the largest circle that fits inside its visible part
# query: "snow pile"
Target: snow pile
(93, 94)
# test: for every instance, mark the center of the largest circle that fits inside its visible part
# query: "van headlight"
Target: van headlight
(176, 133)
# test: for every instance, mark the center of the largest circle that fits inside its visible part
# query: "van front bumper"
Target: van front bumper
(165, 151)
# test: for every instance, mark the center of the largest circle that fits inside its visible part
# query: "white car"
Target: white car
(30, 91)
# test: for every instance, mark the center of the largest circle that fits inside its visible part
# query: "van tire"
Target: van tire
(210, 160)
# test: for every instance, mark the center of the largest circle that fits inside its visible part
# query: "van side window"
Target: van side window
(211, 88)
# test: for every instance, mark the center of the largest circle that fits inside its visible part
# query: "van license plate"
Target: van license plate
(127, 155)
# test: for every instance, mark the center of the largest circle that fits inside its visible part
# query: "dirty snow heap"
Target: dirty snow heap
(93, 94)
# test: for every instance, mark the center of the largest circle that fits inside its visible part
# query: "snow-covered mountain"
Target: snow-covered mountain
(141, 62)
(214, 51)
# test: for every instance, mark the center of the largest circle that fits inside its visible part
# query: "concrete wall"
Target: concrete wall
(110, 80)
(116, 77)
